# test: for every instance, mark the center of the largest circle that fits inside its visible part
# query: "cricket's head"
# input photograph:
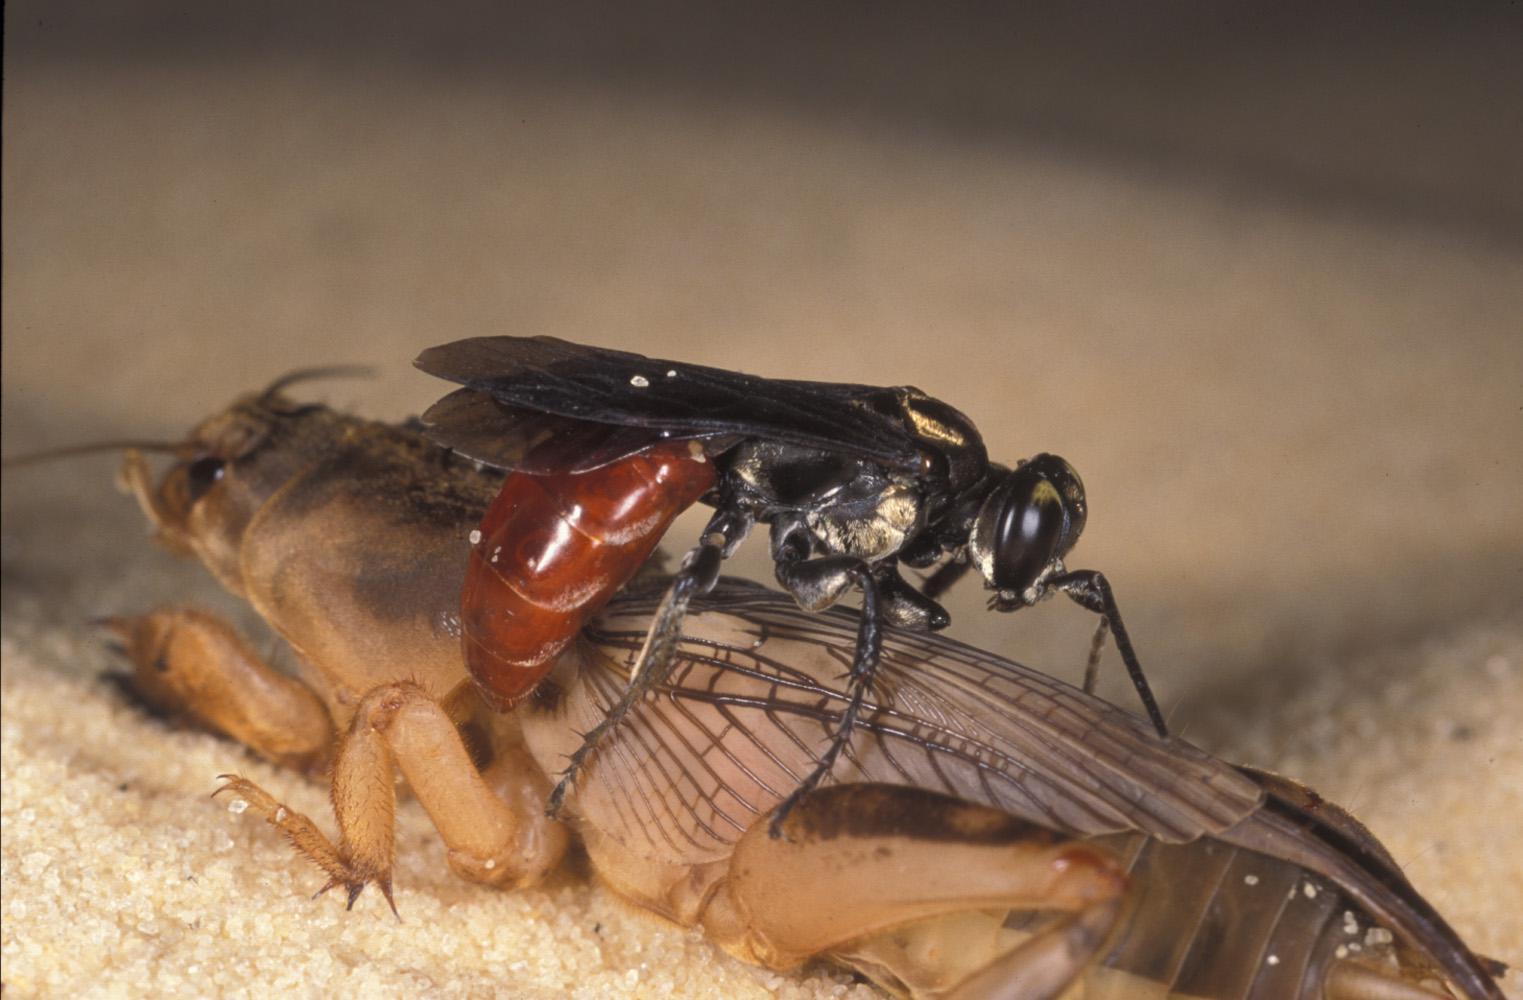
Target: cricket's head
(221, 473)
(228, 467)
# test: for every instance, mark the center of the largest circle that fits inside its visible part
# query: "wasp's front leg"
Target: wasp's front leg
(190, 665)
(863, 868)
(492, 821)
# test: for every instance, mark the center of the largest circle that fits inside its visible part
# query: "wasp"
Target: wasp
(993, 831)
(605, 447)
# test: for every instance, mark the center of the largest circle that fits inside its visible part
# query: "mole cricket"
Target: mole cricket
(992, 832)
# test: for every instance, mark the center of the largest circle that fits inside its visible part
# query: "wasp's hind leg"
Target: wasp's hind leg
(1090, 589)
(697, 575)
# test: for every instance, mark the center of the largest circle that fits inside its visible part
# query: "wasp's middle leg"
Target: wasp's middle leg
(834, 573)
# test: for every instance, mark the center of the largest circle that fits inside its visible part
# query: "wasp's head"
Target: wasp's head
(1027, 524)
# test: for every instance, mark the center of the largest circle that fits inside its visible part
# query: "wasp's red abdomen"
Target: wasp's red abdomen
(554, 548)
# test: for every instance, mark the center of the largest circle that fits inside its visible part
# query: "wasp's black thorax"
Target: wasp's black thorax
(827, 502)
(821, 501)
(956, 460)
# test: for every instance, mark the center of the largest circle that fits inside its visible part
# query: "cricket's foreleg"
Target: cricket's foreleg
(192, 666)
(493, 824)
(859, 863)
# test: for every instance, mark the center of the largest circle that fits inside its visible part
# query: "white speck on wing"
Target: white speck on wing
(475, 536)
(639, 381)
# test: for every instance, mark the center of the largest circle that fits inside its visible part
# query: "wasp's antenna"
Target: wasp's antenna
(73, 450)
(311, 374)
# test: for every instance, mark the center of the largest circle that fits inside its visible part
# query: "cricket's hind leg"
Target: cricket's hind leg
(859, 863)
(1350, 980)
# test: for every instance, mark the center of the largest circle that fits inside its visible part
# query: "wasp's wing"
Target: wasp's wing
(757, 691)
(508, 437)
(677, 399)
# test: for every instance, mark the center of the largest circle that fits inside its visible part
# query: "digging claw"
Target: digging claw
(310, 842)
(353, 886)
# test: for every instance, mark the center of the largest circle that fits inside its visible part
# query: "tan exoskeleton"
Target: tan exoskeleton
(993, 832)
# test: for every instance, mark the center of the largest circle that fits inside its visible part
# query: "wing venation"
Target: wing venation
(756, 693)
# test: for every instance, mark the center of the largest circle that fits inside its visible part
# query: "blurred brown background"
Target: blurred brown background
(1257, 273)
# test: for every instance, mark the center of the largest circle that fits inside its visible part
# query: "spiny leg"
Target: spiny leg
(491, 822)
(1044, 967)
(864, 668)
(1090, 589)
(698, 574)
(303, 834)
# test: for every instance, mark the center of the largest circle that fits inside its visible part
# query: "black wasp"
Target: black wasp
(851, 480)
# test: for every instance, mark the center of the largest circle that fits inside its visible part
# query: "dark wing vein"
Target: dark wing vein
(633, 773)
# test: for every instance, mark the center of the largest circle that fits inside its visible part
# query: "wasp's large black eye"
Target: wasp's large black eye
(202, 476)
(1031, 518)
